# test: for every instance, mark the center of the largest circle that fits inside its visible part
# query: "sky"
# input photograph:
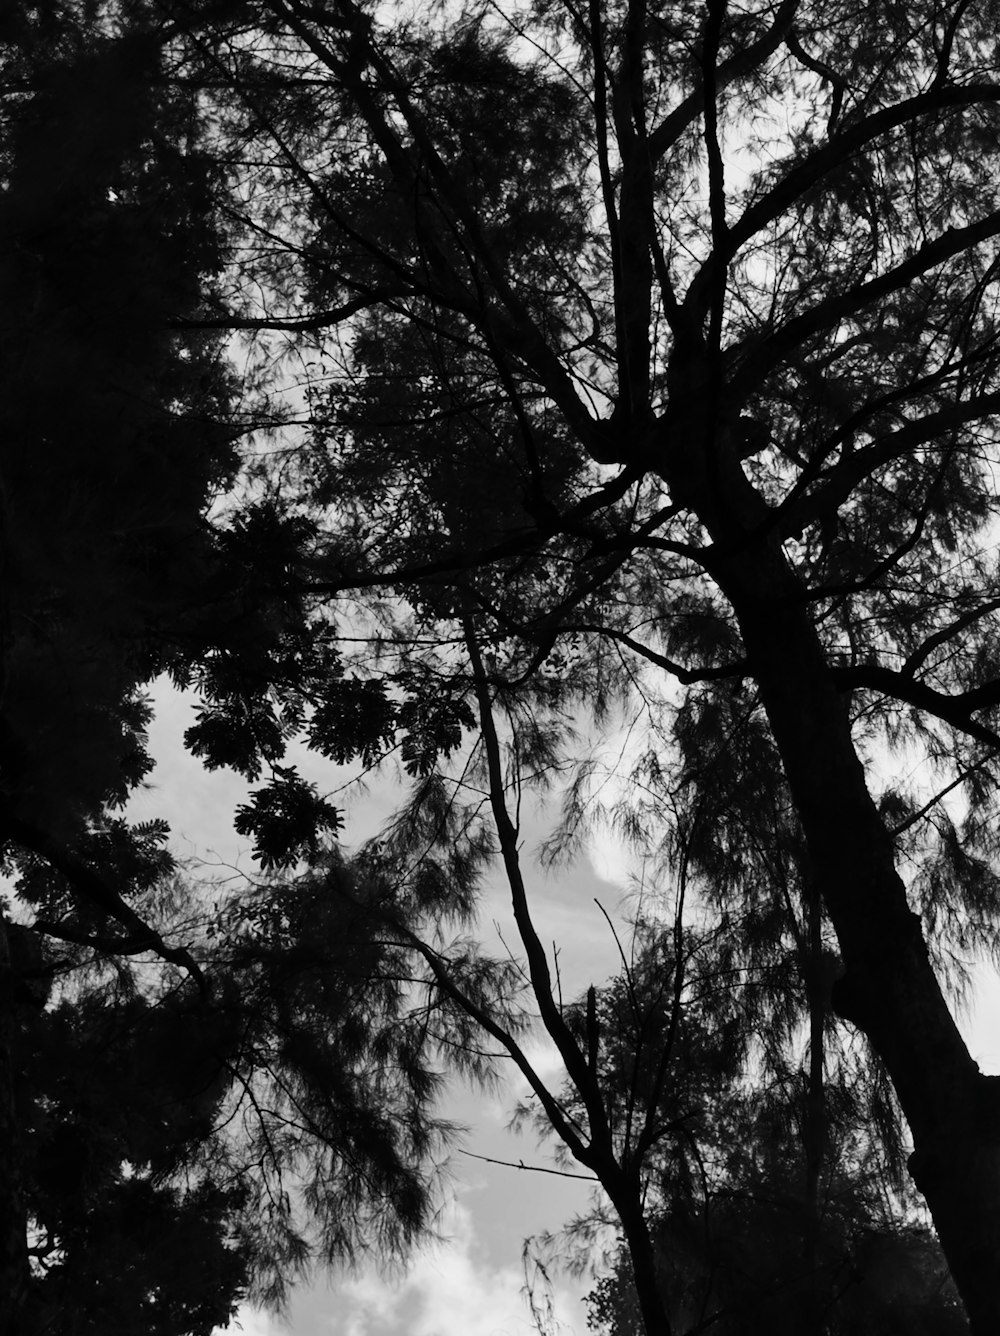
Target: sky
(471, 1283)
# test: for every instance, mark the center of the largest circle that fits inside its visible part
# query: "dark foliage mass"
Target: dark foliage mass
(468, 394)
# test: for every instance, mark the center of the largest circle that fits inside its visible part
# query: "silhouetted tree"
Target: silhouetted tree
(644, 338)
(111, 448)
(646, 361)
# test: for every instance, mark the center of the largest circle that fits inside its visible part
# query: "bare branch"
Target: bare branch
(529, 1168)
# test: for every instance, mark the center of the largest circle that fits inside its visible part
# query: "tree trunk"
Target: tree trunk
(14, 1272)
(655, 1318)
(814, 1137)
(890, 990)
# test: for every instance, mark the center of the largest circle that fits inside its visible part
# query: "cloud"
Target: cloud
(543, 1055)
(610, 858)
(449, 1291)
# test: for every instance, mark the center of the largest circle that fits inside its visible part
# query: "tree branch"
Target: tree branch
(924, 651)
(538, 967)
(825, 314)
(825, 72)
(318, 320)
(855, 467)
(742, 62)
(724, 672)
(528, 1168)
(108, 946)
(483, 1018)
(634, 278)
(954, 710)
(88, 883)
(711, 37)
(947, 42)
(825, 159)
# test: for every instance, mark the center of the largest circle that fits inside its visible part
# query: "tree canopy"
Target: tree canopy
(600, 366)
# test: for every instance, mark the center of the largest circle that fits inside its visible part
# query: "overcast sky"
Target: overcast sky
(470, 1285)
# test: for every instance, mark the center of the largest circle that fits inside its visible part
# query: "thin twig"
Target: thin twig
(529, 1168)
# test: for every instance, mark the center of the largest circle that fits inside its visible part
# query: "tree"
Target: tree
(638, 340)
(114, 438)
(655, 337)
(111, 443)
(181, 1152)
(134, 1039)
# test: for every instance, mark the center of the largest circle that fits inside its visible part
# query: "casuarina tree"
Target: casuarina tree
(640, 340)
(635, 357)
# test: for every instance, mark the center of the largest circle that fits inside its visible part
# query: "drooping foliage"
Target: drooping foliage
(214, 1144)
(630, 361)
(633, 339)
(174, 1135)
(749, 1233)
